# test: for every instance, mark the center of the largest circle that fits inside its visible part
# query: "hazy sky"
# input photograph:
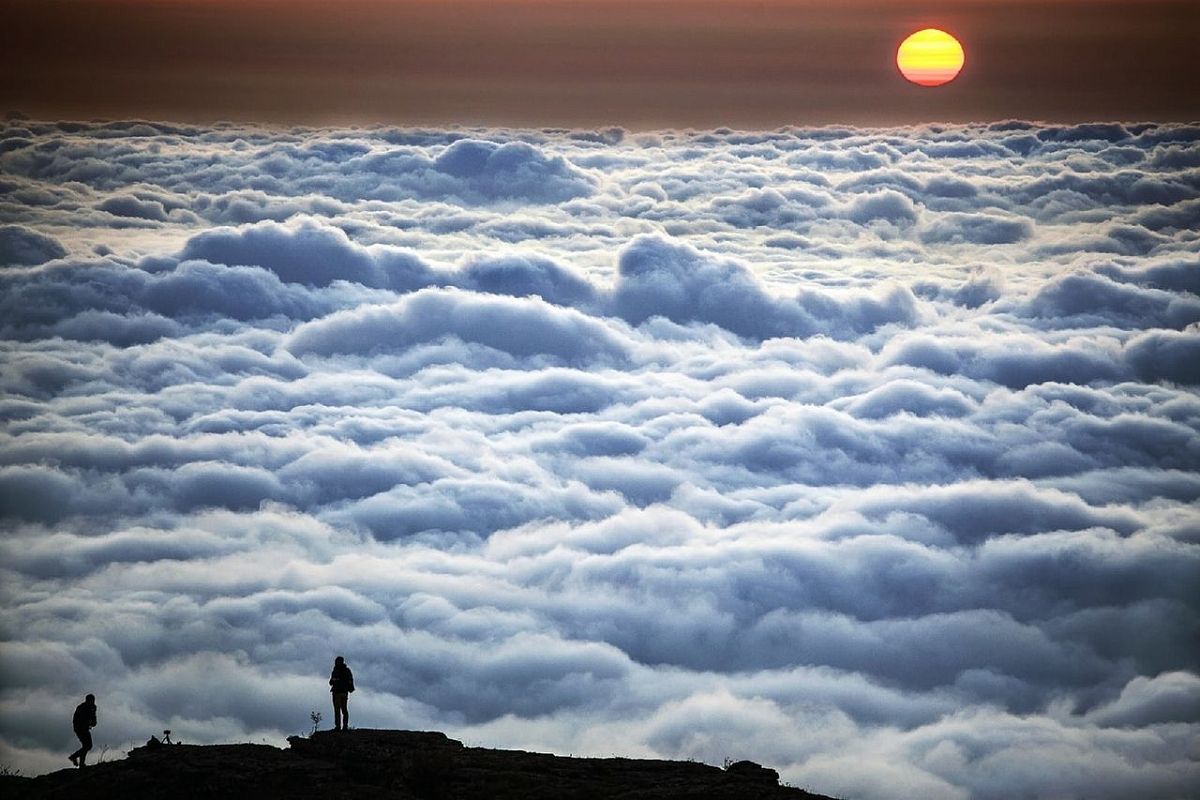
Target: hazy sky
(637, 63)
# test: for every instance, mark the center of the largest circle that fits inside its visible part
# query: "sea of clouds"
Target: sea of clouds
(870, 455)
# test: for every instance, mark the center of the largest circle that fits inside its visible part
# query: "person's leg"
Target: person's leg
(341, 716)
(85, 744)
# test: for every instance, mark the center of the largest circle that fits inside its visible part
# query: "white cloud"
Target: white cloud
(21, 246)
(869, 455)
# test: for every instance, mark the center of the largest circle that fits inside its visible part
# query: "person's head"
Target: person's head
(91, 698)
(339, 661)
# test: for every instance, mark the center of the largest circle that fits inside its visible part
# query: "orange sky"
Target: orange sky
(638, 63)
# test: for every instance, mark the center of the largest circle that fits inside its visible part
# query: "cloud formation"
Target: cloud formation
(868, 454)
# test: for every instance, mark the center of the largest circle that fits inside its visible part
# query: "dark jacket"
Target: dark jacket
(85, 716)
(341, 680)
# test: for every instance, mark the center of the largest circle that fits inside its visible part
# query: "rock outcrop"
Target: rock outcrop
(404, 765)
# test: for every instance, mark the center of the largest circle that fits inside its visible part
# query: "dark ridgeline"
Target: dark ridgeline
(396, 764)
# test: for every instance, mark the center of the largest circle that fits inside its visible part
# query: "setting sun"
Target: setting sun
(930, 57)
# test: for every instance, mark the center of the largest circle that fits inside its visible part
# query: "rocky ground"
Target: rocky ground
(394, 764)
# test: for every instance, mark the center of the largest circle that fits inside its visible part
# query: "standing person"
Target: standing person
(341, 683)
(83, 722)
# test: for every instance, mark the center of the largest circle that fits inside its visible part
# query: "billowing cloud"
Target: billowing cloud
(659, 278)
(868, 455)
(308, 254)
(22, 246)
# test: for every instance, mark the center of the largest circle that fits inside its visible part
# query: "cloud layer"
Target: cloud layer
(868, 454)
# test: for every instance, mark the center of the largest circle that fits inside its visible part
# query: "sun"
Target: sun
(930, 57)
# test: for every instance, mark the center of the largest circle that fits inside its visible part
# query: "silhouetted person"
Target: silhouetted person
(341, 683)
(83, 722)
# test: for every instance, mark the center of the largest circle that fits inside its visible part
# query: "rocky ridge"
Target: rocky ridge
(396, 764)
